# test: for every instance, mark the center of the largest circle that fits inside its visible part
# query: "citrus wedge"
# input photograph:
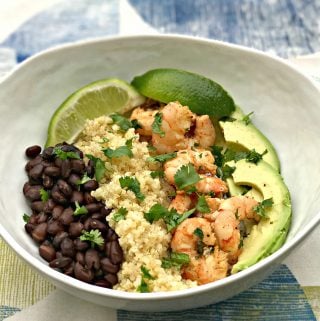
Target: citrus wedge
(96, 99)
(200, 94)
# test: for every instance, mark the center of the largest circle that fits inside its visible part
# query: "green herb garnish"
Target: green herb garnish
(85, 178)
(123, 122)
(120, 214)
(65, 155)
(118, 152)
(26, 217)
(44, 195)
(99, 167)
(155, 174)
(80, 210)
(260, 209)
(200, 245)
(143, 287)
(218, 155)
(175, 259)
(146, 273)
(93, 236)
(132, 184)
(156, 125)
(186, 176)
(202, 205)
(162, 158)
(255, 157)
(246, 119)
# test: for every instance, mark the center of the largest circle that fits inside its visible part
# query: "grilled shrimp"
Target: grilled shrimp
(145, 118)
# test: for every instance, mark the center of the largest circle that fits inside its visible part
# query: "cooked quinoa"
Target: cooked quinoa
(144, 244)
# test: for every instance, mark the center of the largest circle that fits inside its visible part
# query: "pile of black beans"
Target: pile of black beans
(53, 224)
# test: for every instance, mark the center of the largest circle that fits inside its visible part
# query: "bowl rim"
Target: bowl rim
(117, 294)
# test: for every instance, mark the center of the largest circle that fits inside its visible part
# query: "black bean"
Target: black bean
(42, 217)
(64, 187)
(87, 224)
(65, 168)
(33, 219)
(74, 180)
(90, 168)
(57, 211)
(29, 227)
(105, 211)
(52, 171)
(47, 181)
(103, 284)
(37, 206)
(98, 216)
(33, 151)
(46, 164)
(66, 218)
(77, 166)
(47, 251)
(94, 207)
(111, 278)
(80, 245)
(88, 199)
(26, 187)
(60, 262)
(98, 274)
(48, 153)
(80, 258)
(39, 233)
(115, 252)
(82, 273)
(54, 227)
(59, 255)
(33, 193)
(58, 196)
(33, 163)
(77, 197)
(108, 267)
(75, 229)
(58, 162)
(70, 148)
(49, 205)
(92, 259)
(69, 270)
(36, 171)
(67, 247)
(111, 235)
(95, 224)
(90, 185)
(59, 238)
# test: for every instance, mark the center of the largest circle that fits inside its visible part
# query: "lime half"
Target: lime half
(96, 99)
(200, 94)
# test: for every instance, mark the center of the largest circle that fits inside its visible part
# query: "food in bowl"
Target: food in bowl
(185, 189)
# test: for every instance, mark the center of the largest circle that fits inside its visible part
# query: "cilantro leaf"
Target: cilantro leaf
(198, 232)
(254, 157)
(132, 184)
(44, 195)
(162, 158)
(155, 174)
(123, 122)
(200, 245)
(156, 125)
(146, 273)
(26, 217)
(118, 152)
(202, 205)
(174, 219)
(186, 176)
(99, 167)
(246, 119)
(156, 212)
(80, 210)
(225, 171)
(104, 140)
(120, 214)
(93, 236)
(65, 155)
(143, 287)
(85, 178)
(175, 259)
(218, 156)
(260, 209)
(135, 124)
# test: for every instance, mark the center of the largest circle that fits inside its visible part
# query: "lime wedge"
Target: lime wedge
(200, 94)
(96, 99)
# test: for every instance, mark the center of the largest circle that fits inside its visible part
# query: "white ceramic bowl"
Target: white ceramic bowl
(286, 108)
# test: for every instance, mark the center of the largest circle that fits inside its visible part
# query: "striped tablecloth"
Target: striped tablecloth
(284, 27)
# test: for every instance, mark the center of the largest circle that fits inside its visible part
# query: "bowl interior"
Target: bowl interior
(286, 108)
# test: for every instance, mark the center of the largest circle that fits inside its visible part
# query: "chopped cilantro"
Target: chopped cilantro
(202, 205)
(135, 124)
(198, 232)
(65, 155)
(118, 152)
(143, 287)
(44, 195)
(255, 157)
(99, 167)
(225, 171)
(246, 119)
(218, 156)
(156, 125)
(123, 122)
(146, 273)
(93, 236)
(260, 209)
(155, 174)
(132, 184)
(162, 158)
(104, 140)
(80, 210)
(85, 178)
(227, 118)
(200, 245)
(175, 259)
(186, 176)
(120, 214)
(26, 217)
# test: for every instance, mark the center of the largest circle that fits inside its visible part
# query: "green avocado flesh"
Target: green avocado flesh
(270, 233)
(242, 136)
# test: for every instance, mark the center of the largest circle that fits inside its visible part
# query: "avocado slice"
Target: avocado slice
(270, 233)
(240, 135)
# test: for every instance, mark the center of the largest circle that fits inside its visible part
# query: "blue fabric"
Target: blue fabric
(278, 298)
